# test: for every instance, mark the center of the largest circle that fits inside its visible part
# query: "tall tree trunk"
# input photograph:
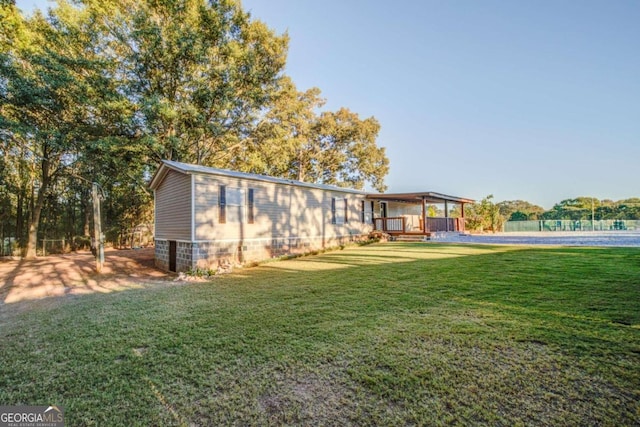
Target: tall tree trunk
(86, 205)
(19, 218)
(34, 222)
(300, 166)
(2, 239)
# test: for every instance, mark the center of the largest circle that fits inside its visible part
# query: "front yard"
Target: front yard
(388, 334)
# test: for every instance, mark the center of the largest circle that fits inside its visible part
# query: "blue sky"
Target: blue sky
(536, 100)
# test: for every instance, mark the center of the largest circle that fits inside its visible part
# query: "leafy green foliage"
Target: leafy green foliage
(336, 148)
(102, 90)
(519, 210)
(582, 208)
(484, 216)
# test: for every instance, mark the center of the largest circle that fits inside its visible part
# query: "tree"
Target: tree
(36, 106)
(484, 216)
(579, 208)
(347, 152)
(102, 90)
(337, 148)
(56, 102)
(197, 72)
(282, 142)
(519, 210)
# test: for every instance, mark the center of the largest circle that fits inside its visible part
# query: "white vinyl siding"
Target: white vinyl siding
(173, 207)
(279, 210)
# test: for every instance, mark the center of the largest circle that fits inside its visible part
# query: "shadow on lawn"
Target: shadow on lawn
(48, 278)
(594, 284)
(230, 329)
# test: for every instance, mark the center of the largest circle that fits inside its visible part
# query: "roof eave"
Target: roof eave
(162, 172)
(419, 196)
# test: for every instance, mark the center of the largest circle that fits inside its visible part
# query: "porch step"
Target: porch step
(411, 238)
(436, 235)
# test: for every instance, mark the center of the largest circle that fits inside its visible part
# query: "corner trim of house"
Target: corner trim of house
(193, 207)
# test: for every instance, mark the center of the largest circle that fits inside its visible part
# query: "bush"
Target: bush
(378, 236)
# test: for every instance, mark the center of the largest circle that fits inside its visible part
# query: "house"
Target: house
(204, 216)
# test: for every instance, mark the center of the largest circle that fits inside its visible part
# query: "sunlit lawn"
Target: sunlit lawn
(389, 334)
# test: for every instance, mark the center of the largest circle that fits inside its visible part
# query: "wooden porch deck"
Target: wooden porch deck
(396, 226)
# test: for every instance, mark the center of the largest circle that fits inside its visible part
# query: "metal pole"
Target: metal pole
(593, 216)
(97, 228)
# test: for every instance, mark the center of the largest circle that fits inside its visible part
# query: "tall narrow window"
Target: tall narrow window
(235, 205)
(333, 210)
(250, 213)
(222, 202)
(346, 211)
(338, 210)
(362, 212)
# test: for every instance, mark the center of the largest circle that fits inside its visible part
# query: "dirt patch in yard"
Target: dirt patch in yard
(23, 282)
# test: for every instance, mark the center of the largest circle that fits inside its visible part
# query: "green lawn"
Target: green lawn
(387, 334)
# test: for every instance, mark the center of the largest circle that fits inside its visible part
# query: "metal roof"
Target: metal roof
(189, 169)
(428, 196)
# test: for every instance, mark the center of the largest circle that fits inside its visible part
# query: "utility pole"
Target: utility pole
(97, 228)
(593, 216)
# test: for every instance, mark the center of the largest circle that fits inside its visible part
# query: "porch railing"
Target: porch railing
(398, 224)
(393, 224)
(444, 224)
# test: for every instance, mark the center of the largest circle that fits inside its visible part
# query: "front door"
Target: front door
(383, 209)
(172, 255)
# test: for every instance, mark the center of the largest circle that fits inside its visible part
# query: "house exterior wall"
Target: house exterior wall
(288, 219)
(173, 207)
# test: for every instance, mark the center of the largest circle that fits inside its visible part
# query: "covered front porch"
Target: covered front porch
(408, 213)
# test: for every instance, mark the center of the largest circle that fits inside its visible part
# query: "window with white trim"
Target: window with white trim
(338, 210)
(232, 205)
(366, 216)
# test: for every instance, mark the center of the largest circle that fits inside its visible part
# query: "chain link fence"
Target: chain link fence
(571, 225)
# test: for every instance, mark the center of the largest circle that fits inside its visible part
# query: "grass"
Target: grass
(387, 334)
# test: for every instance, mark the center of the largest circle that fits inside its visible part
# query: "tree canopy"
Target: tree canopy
(103, 90)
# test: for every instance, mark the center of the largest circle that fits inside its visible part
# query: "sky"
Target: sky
(526, 100)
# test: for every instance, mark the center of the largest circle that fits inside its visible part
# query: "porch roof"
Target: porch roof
(427, 196)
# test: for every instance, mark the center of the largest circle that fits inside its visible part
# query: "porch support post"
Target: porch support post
(463, 226)
(424, 215)
(446, 214)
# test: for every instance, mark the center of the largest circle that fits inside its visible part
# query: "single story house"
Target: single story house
(204, 216)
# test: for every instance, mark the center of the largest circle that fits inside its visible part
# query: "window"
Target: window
(222, 204)
(346, 211)
(365, 215)
(333, 210)
(338, 211)
(372, 211)
(250, 213)
(231, 202)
